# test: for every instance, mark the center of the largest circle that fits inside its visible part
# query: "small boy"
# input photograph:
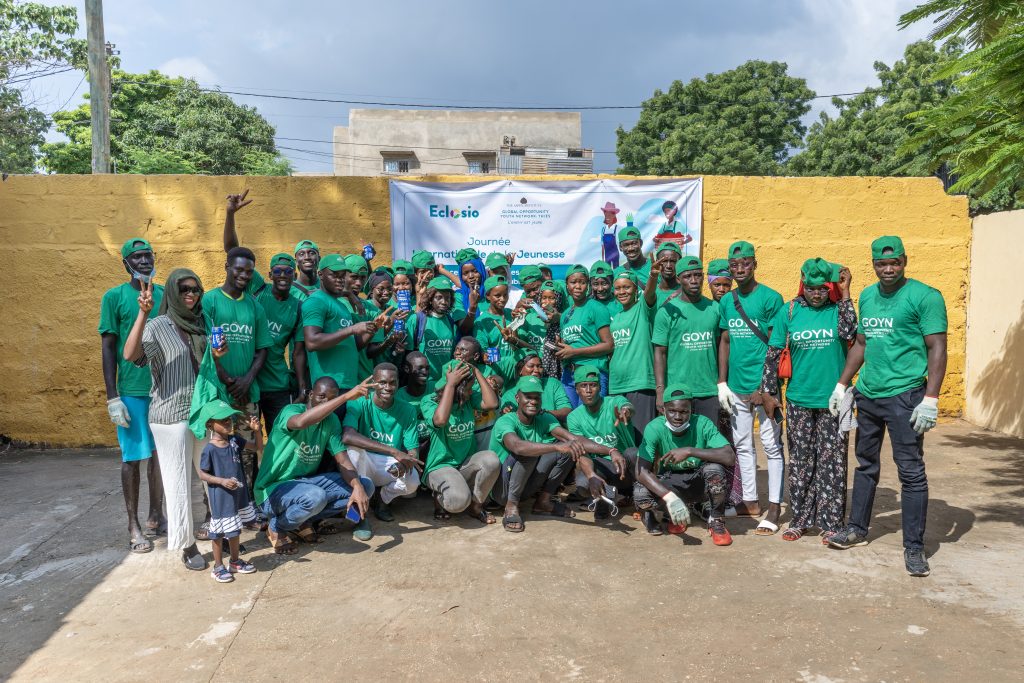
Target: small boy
(221, 468)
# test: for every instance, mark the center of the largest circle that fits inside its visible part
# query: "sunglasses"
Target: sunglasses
(282, 272)
(188, 289)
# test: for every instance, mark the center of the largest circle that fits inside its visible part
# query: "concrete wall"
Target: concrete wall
(439, 138)
(60, 237)
(995, 325)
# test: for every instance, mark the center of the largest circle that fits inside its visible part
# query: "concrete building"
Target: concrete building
(416, 142)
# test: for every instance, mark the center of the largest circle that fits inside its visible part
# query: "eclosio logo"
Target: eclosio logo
(454, 214)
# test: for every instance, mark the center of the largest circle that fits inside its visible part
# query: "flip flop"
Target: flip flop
(306, 535)
(326, 527)
(140, 547)
(154, 531)
(792, 534)
(766, 528)
(513, 519)
(483, 516)
(283, 545)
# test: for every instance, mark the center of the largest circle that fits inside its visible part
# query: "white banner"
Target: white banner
(557, 222)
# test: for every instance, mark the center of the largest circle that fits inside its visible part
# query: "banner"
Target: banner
(557, 222)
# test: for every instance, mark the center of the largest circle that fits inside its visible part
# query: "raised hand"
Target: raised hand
(623, 415)
(362, 390)
(458, 373)
(655, 265)
(510, 256)
(238, 201)
(146, 297)
(474, 297)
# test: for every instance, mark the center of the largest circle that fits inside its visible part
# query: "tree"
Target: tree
(743, 121)
(978, 21)
(158, 122)
(866, 137)
(35, 41)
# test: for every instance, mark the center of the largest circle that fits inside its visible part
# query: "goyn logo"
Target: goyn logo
(446, 211)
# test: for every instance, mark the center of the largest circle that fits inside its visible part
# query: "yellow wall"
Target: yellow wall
(61, 237)
(995, 325)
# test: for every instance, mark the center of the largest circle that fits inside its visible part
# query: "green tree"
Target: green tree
(743, 121)
(158, 122)
(35, 41)
(977, 21)
(866, 136)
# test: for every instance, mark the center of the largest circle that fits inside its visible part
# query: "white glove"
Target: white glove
(726, 398)
(678, 512)
(835, 399)
(118, 412)
(925, 415)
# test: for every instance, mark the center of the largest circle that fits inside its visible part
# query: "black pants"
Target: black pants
(874, 418)
(523, 477)
(605, 470)
(271, 405)
(645, 409)
(706, 483)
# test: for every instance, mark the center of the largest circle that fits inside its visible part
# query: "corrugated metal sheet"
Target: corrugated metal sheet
(535, 164)
(570, 166)
(510, 165)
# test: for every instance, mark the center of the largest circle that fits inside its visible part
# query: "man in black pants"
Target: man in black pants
(901, 342)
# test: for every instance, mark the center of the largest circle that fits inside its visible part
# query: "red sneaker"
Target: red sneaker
(719, 534)
(676, 529)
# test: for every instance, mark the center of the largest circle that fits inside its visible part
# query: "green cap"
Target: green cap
(494, 281)
(282, 259)
(815, 272)
(466, 254)
(530, 385)
(440, 283)
(676, 392)
(529, 274)
(357, 264)
(629, 233)
(719, 267)
(688, 263)
(577, 268)
(586, 373)
(422, 259)
(403, 268)
(496, 260)
(217, 410)
(543, 266)
(624, 273)
(333, 262)
(549, 286)
(668, 246)
(889, 246)
(741, 249)
(134, 245)
(601, 269)
(306, 244)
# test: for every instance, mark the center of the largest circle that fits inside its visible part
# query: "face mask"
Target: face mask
(144, 279)
(677, 430)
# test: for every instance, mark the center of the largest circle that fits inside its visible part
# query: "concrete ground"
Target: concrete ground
(566, 600)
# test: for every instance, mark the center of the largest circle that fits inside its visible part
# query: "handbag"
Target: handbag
(786, 359)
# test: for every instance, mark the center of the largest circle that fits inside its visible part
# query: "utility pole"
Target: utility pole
(99, 86)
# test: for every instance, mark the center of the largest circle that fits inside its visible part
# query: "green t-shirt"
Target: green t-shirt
(292, 454)
(245, 329)
(818, 353)
(631, 367)
(600, 426)
(552, 397)
(539, 431)
(658, 439)
(533, 331)
(438, 341)
(611, 305)
(486, 331)
(416, 402)
(746, 351)
(285, 325)
(689, 332)
(394, 426)
(580, 325)
(894, 327)
(642, 273)
(663, 294)
(340, 362)
(367, 364)
(452, 444)
(118, 310)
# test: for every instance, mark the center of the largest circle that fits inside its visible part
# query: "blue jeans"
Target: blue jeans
(309, 499)
(570, 385)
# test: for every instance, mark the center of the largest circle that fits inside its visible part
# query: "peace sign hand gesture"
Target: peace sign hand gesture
(655, 265)
(623, 415)
(146, 298)
(238, 201)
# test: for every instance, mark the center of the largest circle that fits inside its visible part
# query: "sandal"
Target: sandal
(792, 534)
(282, 544)
(508, 520)
(326, 527)
(154, 531)
(203, 532)
(305, 534)
(482, 516)
(558, 509)
(766, 528)
(440, 514)
(140, 547)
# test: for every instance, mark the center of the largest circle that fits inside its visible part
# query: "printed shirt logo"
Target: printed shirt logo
(697, 341)
(381, 437)
(572, 333)
(460, 431)
(621, 337)
(812, 339)
(308, 454)
(876, 327)
(609, 440)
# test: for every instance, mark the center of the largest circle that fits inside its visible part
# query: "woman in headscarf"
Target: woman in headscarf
(471, 277)
(172, 345)
(387, 345)
(816, 328)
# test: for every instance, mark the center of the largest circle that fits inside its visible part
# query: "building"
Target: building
(416, 142)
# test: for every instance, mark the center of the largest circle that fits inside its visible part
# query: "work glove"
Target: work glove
(925, 415)
(677, 510)
(118, 412)
(726, 398)
(836, 399)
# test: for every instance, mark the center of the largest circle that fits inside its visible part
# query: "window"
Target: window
(396, 166)
(479, 166)
(575, 153)
(517, 151)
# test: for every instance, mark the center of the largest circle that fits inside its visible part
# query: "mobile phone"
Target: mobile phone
(353, 514)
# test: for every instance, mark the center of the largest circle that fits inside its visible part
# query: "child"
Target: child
(221, 468)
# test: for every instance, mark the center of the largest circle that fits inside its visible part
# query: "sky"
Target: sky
(495, 53)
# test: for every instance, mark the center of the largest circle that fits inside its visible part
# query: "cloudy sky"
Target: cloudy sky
(496, 53)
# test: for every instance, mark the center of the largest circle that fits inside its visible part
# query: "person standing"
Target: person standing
(586, 338)
(128, 389)
(609, 234)
(901, 343)
(668, 255)
(631, 367)
(601, 276)
(747, 315)
(816, 330)
(631, 245)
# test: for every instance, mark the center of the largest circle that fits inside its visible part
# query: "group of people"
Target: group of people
(616, 386)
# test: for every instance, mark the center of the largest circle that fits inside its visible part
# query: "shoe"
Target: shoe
(847, 538)
(193, 559)
(221, 574)
(719, 534)
(240, 566)
(382, 511)
(363, 532)
(602, 510)
(916, 563)
(651, 522)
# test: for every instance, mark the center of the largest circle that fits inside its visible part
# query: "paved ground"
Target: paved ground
(563, 601)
